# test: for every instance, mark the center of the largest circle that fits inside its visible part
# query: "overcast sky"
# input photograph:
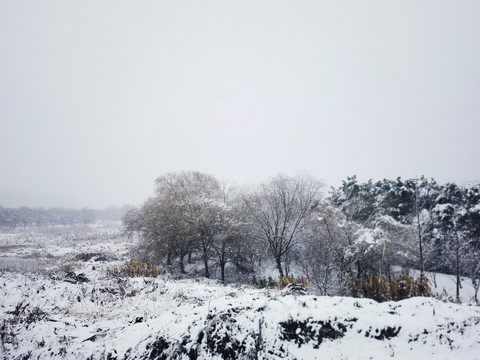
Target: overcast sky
(98, 98)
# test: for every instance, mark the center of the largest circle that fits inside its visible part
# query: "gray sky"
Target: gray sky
(98, 98)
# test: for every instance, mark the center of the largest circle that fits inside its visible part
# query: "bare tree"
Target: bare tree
(157, 233)
(278, 210)
(322, 258)
(191, 200)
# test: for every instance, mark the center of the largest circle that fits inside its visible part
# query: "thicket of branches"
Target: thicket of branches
(355, 231)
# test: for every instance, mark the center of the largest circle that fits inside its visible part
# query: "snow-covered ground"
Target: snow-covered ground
(46, 315)
(56, 243)
(444, 283)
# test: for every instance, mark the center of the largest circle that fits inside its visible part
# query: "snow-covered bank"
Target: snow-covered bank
(47, 314)
(44, 316)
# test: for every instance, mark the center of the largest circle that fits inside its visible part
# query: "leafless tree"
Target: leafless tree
(278, 210)
(192, 200)
(323, 255)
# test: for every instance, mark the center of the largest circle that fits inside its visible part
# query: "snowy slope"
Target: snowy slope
(45, 314)
(137, 318)
(444, 282)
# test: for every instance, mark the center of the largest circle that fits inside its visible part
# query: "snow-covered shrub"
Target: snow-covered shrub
(405, 287)
(402, 287)
(422, 286)
(376, 287)
(284, 281)
(354, 286)
(134, 268)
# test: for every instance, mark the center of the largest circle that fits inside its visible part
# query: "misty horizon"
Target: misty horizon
(15, 200)
(98, 101)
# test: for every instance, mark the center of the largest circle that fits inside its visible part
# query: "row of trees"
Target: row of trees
(24, 217)
(432, 227)
(190, 213)
(357, 230)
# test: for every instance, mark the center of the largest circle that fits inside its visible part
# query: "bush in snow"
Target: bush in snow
(378, 288)
(284, 281)
(134, 268)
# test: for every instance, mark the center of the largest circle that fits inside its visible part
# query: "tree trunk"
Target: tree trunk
(420, 240)
(205, 248)
(170, 251)
(359, 270)
(279, 266)
(182, 265)
(476, 286)
(223, 261)
(457, 265)
(420, 245)
(222, 272)
(205, 261)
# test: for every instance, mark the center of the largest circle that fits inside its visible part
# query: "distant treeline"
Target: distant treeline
(24, 217)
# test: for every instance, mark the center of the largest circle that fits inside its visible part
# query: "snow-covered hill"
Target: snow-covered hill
(46, 314)
(46, 317)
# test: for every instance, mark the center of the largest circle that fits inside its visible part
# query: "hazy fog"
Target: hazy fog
(98, 98)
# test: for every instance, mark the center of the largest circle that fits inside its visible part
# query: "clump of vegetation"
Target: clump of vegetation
(405, 287)
(134, 268)
(444, 296)
(284, 281)
(378, 288)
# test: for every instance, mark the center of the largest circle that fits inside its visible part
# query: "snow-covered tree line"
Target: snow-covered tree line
(24, 217)
(355, 230)
(414, 222)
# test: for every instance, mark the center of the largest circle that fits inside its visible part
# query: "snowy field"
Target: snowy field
(46, 314)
